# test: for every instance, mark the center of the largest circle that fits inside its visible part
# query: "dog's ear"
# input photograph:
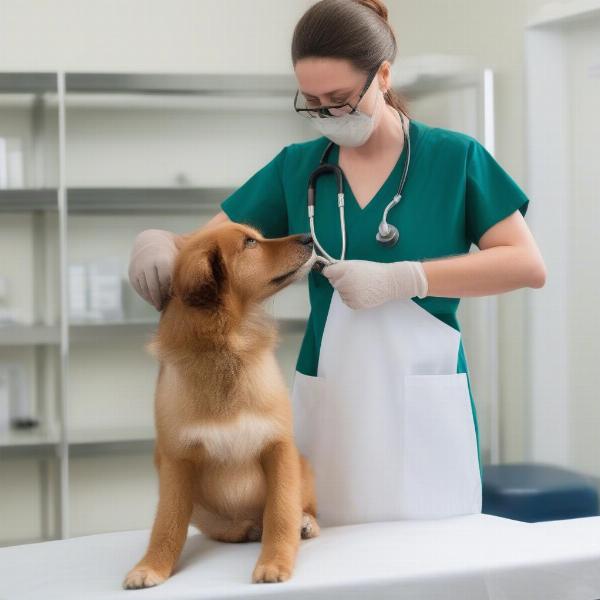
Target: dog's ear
(205, 290)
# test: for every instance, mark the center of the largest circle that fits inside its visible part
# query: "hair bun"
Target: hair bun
(376, 6)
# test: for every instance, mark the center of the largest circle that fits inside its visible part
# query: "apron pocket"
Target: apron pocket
(307, 392)
(440, 467)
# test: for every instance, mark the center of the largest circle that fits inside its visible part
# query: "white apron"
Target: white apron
(387, 422)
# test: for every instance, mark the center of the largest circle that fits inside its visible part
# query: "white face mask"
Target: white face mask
(350, 129)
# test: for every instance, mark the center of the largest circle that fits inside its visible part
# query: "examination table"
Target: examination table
(473, 557)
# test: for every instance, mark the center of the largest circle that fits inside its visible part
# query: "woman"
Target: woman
(382, 400)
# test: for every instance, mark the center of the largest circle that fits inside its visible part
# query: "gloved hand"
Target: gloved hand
(366, 283)
(151, 265)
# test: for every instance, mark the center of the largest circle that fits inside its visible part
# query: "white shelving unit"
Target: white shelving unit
(107, 156)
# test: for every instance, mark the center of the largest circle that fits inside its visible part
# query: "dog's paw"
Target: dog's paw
(271, 572)
(142, 577)
(310, 527)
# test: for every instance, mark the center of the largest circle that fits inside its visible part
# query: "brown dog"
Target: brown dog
(225, 451)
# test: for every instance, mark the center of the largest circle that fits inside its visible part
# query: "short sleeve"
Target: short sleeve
(491, 194)
(260, 201)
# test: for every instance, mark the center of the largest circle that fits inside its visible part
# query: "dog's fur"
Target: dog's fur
(225, 451)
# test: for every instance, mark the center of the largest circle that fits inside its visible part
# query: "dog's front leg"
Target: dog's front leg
(170, 525)
(282, 514)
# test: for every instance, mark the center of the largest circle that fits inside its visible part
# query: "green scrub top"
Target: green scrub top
(454, 192)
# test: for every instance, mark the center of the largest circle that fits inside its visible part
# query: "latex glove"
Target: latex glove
(151, 265)
(366, 283)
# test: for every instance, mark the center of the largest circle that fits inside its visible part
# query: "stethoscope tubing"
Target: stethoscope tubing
(325, 167)
(311, 218)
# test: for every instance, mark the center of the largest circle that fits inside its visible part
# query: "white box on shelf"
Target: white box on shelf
(11, 163)
(95, 290)
(104, 281)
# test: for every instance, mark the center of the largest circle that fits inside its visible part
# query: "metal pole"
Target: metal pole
(63, 448)
(489, 141)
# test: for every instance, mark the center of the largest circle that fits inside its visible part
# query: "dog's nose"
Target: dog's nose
(305, 239)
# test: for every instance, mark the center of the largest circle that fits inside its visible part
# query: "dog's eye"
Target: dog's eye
(250, 242)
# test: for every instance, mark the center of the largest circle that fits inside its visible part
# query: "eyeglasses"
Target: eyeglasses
(302, 106)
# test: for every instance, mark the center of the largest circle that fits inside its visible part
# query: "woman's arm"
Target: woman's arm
(509, 259)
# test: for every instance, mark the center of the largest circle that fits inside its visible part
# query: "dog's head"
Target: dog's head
(235, 260)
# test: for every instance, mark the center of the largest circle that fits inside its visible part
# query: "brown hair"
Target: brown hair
(356, 30)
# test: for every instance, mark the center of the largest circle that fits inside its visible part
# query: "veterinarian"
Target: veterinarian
(382, 400)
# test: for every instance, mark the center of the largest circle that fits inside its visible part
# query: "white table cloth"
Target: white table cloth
(474, 557)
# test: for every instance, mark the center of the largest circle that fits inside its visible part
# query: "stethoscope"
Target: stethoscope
(387, 234)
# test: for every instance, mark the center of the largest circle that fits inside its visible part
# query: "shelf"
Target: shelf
(42, 436)
(97, 331)
(436, 72)
(556, 14)
(25, 200)
(168, 200)
(117, 199)
(91, 331)
(35, 436)
(173, 102)
(105, 435)
(413, 76)
(29, 335)
(241, 84)
(39, 442)
(19, 83)
(140, 446)
(43, 443)
(94, 331)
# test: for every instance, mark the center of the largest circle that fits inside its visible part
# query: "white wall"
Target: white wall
(584, 211)
(233, 36)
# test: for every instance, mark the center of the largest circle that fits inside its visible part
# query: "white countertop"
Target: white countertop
(474, 557)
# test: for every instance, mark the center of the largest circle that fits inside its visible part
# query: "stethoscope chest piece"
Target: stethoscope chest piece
(389, 237)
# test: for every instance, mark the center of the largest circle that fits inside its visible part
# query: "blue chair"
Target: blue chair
(537, 492)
